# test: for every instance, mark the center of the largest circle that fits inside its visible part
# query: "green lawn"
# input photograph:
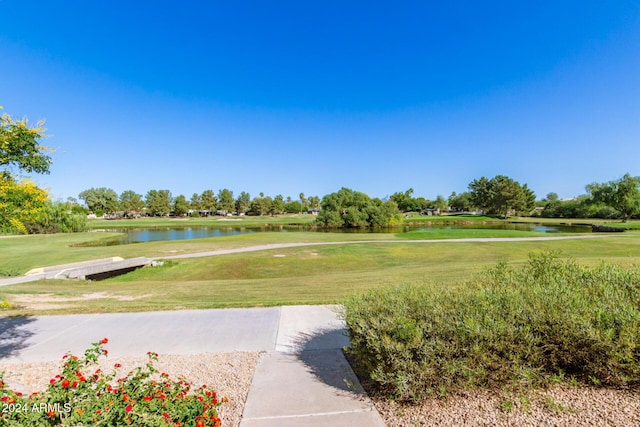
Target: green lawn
(302, 275)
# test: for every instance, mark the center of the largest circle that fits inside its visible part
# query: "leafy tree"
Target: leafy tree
(19, 146)
(20, 199)
(131, 202)
(261, 205)
(405, 201)
(100, 199)
(303, 202)
(422, 203)
(243, 203)
(461, 202)
(622, 195)
(180, 206)
(480, 193)
(353, 209)
(57, 217)
(440, 203)
(293, 207)
(314, 202)
(277, 205)
(209, 201)
(20, 202)
(158, 202)
(196, 202)
(500, 195)
(551, 196)
(225, 200)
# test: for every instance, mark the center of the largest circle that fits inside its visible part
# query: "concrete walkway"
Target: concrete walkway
(303, 379)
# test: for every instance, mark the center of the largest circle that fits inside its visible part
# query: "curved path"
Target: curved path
(53, 271)
(294, 245)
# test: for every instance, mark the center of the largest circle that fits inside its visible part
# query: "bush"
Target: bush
(82, 396)
(507, 328)
(57, 218)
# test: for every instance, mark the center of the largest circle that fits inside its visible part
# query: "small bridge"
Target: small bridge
(92, 270)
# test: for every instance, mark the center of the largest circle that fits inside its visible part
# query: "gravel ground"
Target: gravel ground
(557, 406)
(229, 374)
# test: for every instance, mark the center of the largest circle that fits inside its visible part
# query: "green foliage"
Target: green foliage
(100, 199)
(243, 203)
(209, 201)
(19, 146)
(461, 202)
(500, 195)
(158, 202)
(277, 205)
(581, 207)
(622, 195)
(57, 217)
(225, 200)
(405, 201)
(20, 202)
(260, 205)
(180, 206)
(293, 207)
(508, 327)
(131, 202)
(80, 395)
(353, 209)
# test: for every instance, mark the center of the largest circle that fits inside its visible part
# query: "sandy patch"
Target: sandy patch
(51, 301)
(229, 219)
(279, 256)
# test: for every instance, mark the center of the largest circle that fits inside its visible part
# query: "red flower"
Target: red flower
(51, 414)
(104, 340)
(65, 383)
(129, 408)
(165, 415)
(117, 365)
(52, 381)
(147, 398)
(74, 384)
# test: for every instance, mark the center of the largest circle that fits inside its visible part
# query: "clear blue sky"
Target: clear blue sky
(302, 96)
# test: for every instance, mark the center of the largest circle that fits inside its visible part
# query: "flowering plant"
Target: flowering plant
(83, 396)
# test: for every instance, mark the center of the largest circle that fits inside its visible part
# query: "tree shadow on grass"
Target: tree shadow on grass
(13, 335)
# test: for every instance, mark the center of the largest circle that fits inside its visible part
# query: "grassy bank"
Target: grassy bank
(303, 275)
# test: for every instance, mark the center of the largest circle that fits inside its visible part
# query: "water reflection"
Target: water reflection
(153, 234)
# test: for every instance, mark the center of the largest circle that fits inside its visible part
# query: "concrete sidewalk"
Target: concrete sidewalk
(303, 379)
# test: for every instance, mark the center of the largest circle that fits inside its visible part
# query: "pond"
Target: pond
(153, 234)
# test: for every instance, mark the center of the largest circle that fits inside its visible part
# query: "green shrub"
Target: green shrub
(506, 328)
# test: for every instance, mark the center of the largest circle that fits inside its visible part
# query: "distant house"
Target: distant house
(314, 211)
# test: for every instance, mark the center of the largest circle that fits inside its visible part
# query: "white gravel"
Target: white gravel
(557, 406)
(229, 374)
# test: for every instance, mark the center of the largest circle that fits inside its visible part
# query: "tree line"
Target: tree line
(162, 203)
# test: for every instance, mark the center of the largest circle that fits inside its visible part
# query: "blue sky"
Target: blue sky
(290, 97)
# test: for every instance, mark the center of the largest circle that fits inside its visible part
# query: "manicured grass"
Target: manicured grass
(451, 218)
(303, 275)
(19, 254)
(469, 233)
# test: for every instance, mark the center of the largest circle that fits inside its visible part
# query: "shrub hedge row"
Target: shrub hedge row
(509, 327)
